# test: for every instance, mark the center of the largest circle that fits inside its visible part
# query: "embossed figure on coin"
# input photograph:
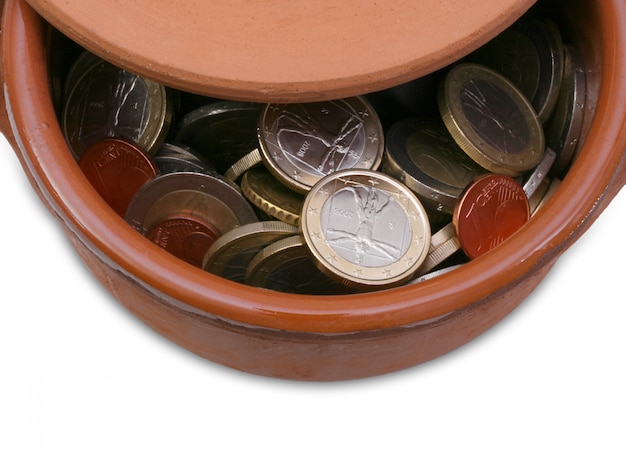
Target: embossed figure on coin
(114, 107)
(109, 102)
(302, 143)
(366, 226)
(494, 116)
(322, 142)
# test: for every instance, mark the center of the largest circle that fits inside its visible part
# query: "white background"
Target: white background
(79, 373)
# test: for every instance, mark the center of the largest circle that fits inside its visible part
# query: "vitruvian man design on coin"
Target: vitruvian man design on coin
(495, 116)
(321, 137)
(114, 104)
(366, 226)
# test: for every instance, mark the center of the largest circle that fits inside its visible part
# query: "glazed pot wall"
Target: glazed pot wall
(306, 337)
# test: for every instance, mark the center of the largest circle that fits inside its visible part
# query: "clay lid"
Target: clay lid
(302, 50)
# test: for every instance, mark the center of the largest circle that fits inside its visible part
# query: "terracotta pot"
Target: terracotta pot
(313, 337)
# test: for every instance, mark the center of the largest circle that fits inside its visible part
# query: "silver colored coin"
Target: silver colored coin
(365, 229)
(176, 158)
(563, 131)
(222, 132)
(272, 197)
(536, 177)
(208, 198)
(421, 153)
(436, 273)
(109, 102)
(302, 143)
(530, 54)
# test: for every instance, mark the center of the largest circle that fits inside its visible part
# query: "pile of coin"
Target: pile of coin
(339, 196)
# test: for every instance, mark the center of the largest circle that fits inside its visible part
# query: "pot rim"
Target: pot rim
(46, 157)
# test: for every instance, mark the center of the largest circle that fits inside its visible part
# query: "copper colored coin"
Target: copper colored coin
(116, 169)
(185, 237)
(491, 209)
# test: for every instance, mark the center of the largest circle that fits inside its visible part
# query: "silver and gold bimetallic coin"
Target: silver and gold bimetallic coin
(230, 254)
(302, 143)
(105, 101)
(222, 132)
(211, 199)
(287, 266)
(421, 153)
(530, 54)
(491, 120)
(365, 229)
(262, 189)
(563, 130)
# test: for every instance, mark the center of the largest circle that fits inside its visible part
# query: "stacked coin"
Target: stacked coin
(529, 53)
(324, 197)
(208, 204)
(538, 59)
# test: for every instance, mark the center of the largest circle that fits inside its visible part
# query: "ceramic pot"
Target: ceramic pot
(314, 337)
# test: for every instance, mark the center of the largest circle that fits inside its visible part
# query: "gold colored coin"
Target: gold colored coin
(242, 165)
(491, 120)
(231, 253)
(365, 229)
(265, 192)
